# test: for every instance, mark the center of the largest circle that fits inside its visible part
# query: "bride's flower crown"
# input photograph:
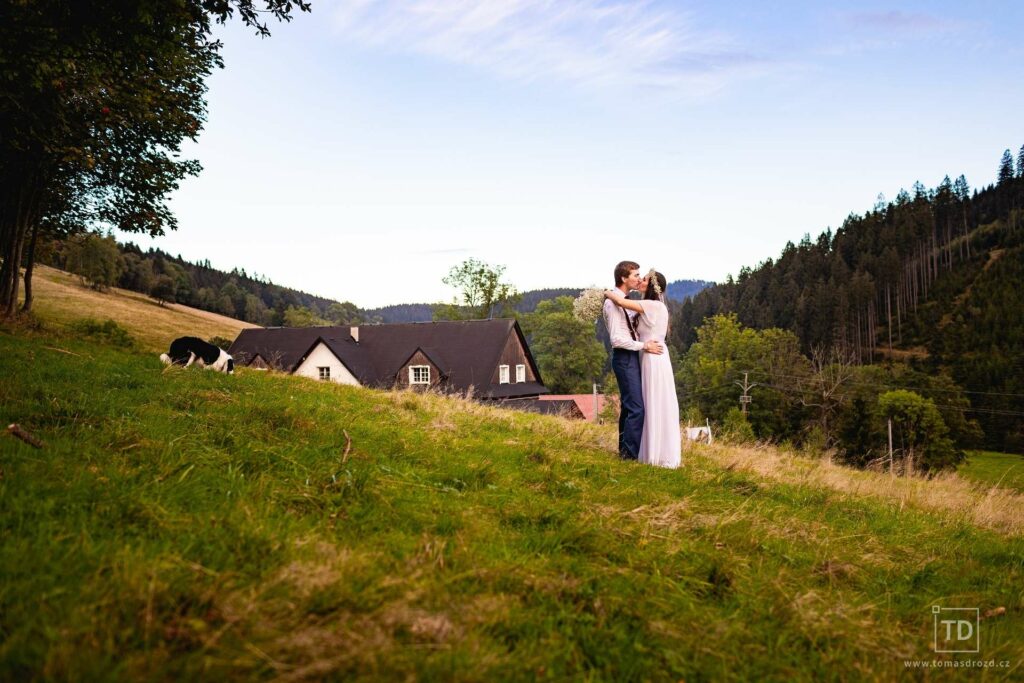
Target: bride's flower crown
(652, 279)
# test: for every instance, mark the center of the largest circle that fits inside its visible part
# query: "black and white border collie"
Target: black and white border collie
(188, 350)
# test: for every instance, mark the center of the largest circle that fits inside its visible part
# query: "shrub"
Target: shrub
(736, 428)
(220, 342)
(106, 332)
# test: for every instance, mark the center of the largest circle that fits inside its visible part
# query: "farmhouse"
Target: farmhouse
(489, 358)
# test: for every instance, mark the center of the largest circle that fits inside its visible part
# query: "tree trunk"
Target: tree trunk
(11, 273)
(949, 245)
(29, 263)
(899, 314)
(967, 236)
(19, 198)
(872, 337)
(888, 313)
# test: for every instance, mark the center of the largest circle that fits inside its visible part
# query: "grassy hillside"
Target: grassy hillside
(189, 525)
(994, 469)
(59, 299)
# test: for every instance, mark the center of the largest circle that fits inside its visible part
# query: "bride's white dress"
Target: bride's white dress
(660, 444)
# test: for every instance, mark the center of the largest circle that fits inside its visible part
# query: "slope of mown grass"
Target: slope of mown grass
(181, 524)
(59, 299)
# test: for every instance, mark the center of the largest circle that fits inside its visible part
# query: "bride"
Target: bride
(660, 443)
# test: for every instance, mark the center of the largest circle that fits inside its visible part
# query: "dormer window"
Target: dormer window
(419, 374)
(502, 374)
(520, 373)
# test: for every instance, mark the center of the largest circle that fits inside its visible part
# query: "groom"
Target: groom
(626, 349)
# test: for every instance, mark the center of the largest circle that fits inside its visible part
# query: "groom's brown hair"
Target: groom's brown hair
(623, 269)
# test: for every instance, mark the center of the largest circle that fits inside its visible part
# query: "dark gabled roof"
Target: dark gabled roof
(561, 408)
(511, 390)
(466, 352)
(432, 355)
(285, 348)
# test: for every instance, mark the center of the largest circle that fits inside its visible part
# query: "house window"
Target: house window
(325, 373)
(419, 374)
(502, 374)
(520, 373)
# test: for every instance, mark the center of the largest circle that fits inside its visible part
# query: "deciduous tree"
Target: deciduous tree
(918, 430)
(95, 259)
(481, 295)
(97, 99)
(569, 355)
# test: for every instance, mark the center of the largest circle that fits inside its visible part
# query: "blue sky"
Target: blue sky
(366, 148)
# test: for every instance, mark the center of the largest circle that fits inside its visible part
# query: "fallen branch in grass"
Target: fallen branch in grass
(15, 430)
(348, 446)
(70, 353)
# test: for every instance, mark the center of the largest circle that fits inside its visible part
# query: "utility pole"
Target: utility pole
(745, 397)
(595, 403)
(891, 472)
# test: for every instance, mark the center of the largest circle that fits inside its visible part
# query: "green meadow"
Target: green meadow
(187, 525)
(995, 469)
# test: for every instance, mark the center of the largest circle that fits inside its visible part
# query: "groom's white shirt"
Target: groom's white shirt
(615, 321)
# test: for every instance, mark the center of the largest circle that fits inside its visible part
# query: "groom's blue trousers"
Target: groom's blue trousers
(626, 366)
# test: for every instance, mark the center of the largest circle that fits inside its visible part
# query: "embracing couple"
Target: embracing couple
(649, 414)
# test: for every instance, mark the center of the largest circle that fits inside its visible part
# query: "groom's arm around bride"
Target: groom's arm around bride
(626, 362)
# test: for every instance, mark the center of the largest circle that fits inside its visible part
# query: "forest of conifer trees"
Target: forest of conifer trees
(929, 279)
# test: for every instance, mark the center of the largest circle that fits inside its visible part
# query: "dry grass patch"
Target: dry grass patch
(59, 298)
(993, 508)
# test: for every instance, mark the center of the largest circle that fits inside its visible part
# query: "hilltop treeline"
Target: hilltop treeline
(527, 302)
(930, 278)
(172, 279)
(252, 298)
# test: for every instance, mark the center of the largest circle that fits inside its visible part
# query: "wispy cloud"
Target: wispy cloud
(582, 42)
(901, 22)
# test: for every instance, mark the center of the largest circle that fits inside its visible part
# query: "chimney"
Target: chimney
(354, 332)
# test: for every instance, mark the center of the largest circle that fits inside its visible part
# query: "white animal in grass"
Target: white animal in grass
(699, 434)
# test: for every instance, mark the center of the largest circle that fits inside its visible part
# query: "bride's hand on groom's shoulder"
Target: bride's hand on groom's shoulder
(612, 294)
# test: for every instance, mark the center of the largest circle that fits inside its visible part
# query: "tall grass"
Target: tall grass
(182, 524)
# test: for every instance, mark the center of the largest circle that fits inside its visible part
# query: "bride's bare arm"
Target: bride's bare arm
(619, 300)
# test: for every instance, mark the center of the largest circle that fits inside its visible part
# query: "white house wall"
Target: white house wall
(322, 357)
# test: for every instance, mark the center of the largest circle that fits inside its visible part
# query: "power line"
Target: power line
(841, 398)
(897, 386)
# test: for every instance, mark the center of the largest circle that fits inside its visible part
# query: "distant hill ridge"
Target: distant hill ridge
(678, 291)
(258, 300)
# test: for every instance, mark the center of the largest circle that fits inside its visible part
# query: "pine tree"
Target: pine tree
(1006, 167)
(1020, 162)
(961, 188)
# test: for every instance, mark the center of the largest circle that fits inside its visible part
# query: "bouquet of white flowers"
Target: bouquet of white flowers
(588, 305)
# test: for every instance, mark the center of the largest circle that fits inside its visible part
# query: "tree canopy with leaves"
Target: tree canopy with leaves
(95, 259)
(569, 355)
(98, 97)
(919, 431)
(482, 294)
